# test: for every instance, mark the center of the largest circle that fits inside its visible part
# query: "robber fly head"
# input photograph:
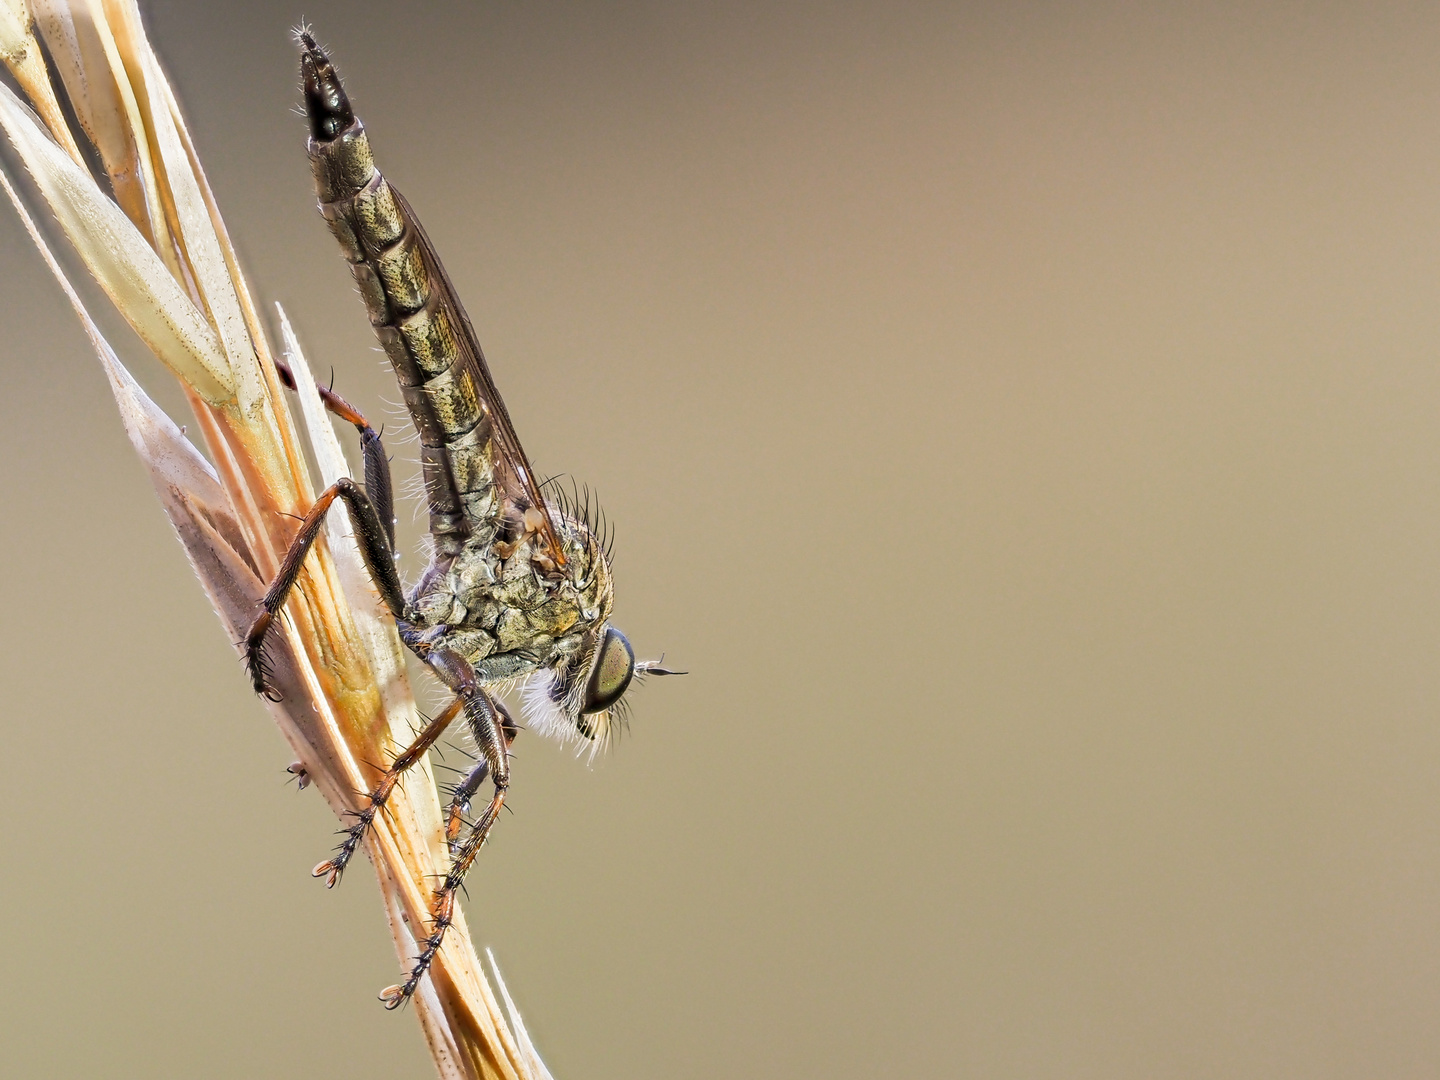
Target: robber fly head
(583, 695)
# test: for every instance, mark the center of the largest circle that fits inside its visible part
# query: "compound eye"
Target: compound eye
(614, 668)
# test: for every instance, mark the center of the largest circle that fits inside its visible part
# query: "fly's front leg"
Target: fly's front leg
(374, 547)
(466, 789)
(487, 725)
(333, 867)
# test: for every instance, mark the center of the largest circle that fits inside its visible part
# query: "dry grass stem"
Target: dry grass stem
(152, 238)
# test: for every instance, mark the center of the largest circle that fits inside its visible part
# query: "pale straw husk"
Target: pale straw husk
(157, 246)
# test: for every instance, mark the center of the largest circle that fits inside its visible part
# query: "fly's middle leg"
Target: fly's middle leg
(333, 867)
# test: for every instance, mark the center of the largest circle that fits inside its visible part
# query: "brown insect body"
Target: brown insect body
(513, 600)
(518, 587)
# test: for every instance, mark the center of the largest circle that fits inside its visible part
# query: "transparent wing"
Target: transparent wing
(513, 473)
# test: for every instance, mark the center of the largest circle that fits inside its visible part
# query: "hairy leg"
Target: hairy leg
(374, 547)
(333, 867)
(487, 724)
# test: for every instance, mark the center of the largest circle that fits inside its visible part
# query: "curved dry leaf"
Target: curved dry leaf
(118, 257)
(185, 203)
(20, 52)
(84, 56)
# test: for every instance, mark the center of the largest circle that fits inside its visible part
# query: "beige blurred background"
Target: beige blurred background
(1023, 421)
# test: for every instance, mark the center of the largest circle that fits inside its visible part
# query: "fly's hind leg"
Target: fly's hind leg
(487, 722)
(375, 547)
(333, 867)
(377, 466)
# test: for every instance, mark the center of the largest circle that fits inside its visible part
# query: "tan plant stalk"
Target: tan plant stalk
(160, 251)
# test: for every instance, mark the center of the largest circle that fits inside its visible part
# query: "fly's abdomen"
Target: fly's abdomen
(406, 309)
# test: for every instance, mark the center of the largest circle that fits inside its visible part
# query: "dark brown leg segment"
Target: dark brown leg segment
(466, 789)
(374, 547)
(377, 465)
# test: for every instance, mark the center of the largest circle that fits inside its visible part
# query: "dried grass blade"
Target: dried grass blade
(20, 52)
(85, 58)
(118, 257)
(534, 1066)
(185, 207)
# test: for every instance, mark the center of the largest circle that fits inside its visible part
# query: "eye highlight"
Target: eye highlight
(614, 668)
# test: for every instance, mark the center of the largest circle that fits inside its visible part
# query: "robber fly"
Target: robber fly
(518, 587)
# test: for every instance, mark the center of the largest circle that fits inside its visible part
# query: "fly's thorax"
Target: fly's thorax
(509, 590)
(539, 603)
(586, 575)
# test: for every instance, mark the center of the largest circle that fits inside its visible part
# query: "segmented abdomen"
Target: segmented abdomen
(416, 330)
